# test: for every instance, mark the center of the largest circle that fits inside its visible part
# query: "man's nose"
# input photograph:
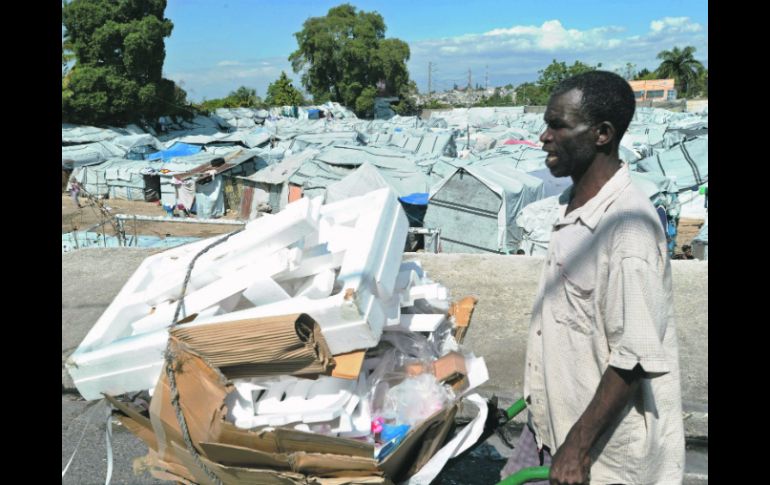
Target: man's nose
(545, 135)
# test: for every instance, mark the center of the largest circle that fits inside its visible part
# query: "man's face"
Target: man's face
(568, 138)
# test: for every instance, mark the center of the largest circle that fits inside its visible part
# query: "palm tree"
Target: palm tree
(680, 65)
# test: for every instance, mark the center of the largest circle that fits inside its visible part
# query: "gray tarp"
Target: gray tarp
(361, 181)
(476, 207)
(333, 163)
(687, 162)
(90, 154)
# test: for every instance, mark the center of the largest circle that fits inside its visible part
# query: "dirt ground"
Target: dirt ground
(80, 219)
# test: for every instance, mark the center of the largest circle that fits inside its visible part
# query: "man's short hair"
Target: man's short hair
(606, 97)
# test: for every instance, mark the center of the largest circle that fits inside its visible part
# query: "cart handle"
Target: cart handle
(525, 474)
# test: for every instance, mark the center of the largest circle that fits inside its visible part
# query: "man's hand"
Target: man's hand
(570, 465)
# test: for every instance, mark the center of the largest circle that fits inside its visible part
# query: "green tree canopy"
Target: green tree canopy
(645, 74)
(243, 97)
(119, 50)
(557, 72)
(283, 93)
(682, 66)
(344, 57)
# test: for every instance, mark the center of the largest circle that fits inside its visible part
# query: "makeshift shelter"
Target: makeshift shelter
(90, 154)
(475, 208)
(267, 190)
(333, 163)
(120, 178)
(442, 144)
(687, 163)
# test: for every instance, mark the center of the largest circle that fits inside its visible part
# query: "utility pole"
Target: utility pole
(469, 80)
(430, 68)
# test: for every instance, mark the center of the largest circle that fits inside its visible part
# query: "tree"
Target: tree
(557, 72)
(243, 97)
(119, 51)
(530, 94)
(344, 55)
(283, 93)
(680, 65)
(645, 75)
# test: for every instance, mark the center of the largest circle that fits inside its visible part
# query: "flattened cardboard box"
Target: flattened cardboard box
(278, 456)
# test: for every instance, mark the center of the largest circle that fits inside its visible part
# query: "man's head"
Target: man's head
(586, 115)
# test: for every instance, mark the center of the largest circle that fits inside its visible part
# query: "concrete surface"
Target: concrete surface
(505, 286)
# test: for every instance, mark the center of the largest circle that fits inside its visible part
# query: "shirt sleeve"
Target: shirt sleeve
(637, 304)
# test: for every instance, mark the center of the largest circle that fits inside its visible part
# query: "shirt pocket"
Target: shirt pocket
(574, 306)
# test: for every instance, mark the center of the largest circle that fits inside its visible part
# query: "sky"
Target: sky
(218, 45)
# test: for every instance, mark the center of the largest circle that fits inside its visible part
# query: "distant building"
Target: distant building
(654, 90)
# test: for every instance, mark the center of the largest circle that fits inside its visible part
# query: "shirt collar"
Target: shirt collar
(593, 210)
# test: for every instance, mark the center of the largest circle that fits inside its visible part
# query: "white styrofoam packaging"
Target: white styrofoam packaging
(337, 262)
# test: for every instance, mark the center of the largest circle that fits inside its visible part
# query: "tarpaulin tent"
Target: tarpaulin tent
(90, 154)
(476, 206)
(687, 163)
(397, 167)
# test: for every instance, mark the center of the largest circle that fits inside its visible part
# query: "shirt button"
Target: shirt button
(539, 332)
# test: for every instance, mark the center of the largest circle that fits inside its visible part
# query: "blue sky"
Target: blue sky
(218, 45)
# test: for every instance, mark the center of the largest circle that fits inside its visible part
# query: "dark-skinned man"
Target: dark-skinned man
(602, 370)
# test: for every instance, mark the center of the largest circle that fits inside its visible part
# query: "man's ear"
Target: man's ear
(606, 133)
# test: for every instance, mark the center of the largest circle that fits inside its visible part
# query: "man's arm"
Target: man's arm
(571, 463)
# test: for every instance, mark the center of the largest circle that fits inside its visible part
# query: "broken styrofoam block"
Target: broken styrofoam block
(360, 415)
(214, 293)
(360, 240)
(133, 363)
(478, 373)
(419, 322)
(318, 286)
(263, 290)
(354, 318)
(431, 291)
(286, 400)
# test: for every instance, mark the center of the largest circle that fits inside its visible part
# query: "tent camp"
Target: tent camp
(537, 219)
(486, 199)
(397, 167)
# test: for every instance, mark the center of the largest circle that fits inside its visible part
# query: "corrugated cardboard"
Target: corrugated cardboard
(462, 311)
(282, 456)
(450, 367)
(348, 366)
(282, 345)
(412, 449)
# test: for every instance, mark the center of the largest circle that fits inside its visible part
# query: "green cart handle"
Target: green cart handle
(525, 474)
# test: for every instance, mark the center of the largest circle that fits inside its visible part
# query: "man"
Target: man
(602, 374)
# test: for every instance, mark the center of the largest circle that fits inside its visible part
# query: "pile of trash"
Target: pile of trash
(300, 349)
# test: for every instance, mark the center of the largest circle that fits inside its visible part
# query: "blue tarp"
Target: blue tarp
(418, 198)
(178, 149)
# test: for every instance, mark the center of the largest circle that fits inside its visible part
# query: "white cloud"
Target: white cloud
(674, 24)
(516, 53)
(228, 63)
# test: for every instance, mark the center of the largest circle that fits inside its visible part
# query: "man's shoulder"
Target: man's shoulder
(632, 218)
